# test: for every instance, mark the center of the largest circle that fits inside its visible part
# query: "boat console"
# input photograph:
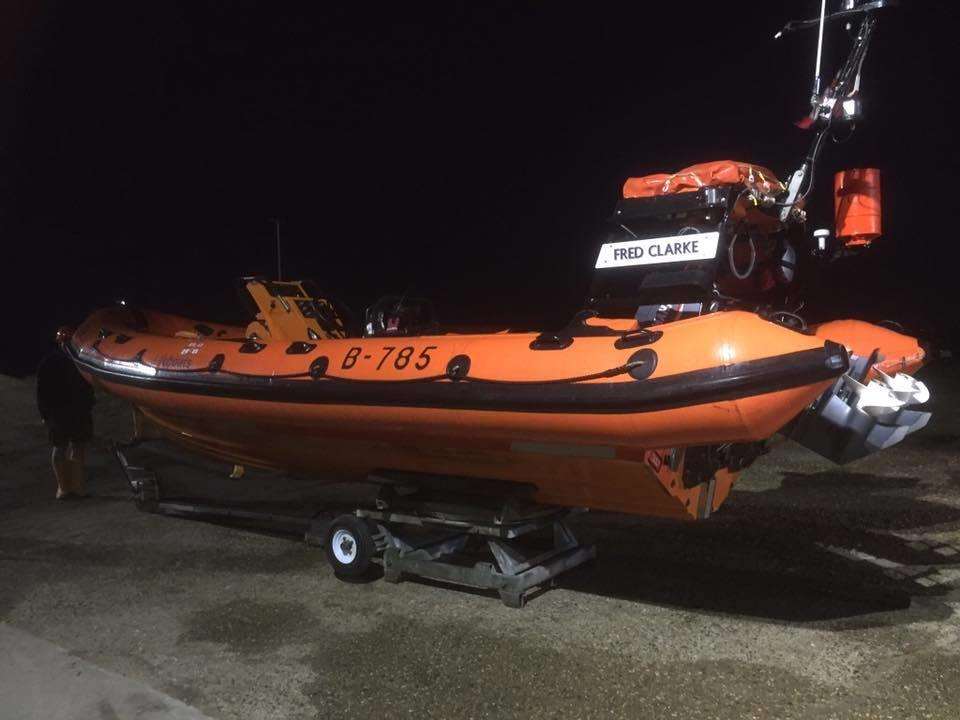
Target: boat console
(290, 311)
(402, 316)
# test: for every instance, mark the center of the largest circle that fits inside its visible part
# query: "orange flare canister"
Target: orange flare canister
(856, 197)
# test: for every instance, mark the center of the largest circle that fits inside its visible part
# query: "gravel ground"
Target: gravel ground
(816, 592)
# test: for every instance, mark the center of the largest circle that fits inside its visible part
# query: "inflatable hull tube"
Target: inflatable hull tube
(590, 423)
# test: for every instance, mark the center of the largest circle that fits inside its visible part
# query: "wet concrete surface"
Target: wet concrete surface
(816, 592)
(28, 666)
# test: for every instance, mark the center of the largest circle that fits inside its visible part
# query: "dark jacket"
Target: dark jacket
(61, 390)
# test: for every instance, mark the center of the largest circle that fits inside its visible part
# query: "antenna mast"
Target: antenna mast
(276, 225)
(816, 72)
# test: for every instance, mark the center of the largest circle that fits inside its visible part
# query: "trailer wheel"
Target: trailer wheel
(350, 546)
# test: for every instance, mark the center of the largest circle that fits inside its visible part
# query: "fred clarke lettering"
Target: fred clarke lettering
(677, 248)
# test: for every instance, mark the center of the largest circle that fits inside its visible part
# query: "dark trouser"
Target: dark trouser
(66, 427)
(68, 432)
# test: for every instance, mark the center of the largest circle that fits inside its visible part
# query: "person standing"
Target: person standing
(65, 401)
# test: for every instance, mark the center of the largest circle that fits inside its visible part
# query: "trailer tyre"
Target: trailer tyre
(349, 547)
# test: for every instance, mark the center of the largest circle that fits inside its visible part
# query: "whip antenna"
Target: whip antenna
(276, 225)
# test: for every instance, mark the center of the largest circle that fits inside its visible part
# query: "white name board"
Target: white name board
(653, 251)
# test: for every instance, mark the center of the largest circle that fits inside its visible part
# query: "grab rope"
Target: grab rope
(138, 359)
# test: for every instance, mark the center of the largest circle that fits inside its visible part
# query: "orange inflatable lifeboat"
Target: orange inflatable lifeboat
(604, 414)
(689, 354)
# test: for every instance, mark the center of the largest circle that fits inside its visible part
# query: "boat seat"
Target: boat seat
(290, 311)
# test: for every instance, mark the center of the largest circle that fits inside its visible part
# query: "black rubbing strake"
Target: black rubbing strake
(697, 387)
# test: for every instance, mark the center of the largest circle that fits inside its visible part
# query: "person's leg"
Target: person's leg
(61, 470)
(77, 456)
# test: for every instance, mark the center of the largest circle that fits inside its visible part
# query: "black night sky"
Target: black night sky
(465, 152)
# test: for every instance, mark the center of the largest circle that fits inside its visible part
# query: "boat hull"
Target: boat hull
(606, 468)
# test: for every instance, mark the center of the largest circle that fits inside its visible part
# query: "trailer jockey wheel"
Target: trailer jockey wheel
(350, 546)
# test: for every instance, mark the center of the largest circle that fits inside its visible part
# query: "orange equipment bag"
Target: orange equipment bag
(719, 172)
(856, 201)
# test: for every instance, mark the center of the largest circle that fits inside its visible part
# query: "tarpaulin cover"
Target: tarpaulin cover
(719, 172)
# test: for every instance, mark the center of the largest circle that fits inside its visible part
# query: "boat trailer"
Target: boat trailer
(413, 531)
